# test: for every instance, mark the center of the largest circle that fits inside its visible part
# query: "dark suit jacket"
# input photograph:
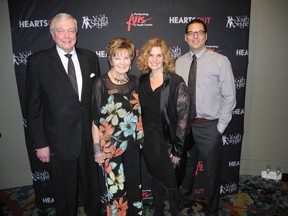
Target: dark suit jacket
(55, 116)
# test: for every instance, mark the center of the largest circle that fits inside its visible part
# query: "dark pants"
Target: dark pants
(67, 176)
(156, 157)
(159, 165)
(208, 146)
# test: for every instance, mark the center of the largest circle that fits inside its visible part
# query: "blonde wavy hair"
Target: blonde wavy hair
(116, 45)
(142, 61)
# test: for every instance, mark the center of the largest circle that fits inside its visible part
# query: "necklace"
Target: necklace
(123, 80)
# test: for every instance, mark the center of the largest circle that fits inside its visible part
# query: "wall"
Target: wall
(14, 164)
(265, 130)
(264, 140)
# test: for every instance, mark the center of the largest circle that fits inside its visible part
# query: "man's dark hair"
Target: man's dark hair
(196, 21)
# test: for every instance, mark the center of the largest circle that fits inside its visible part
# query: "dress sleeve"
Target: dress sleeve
(183, 117)
(96, 100)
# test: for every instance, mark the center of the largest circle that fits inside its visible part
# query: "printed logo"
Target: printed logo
(25, 123)
(137, 52)
(199, 167)
(228, 188)
(175, 51)
(198, 191)
(238, 112)
(214, 48)
(96, 21)
(240, 82)
(147, 194)
(34, 23)
(238, 21)
(241, 52)
(101, 53)
(48, 200)
(233, 139)
(234, 163)
(40, 176)
(138, 20)
(185, 20)
(21, 58)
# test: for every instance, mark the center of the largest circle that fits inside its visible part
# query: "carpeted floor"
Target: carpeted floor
(256, 197)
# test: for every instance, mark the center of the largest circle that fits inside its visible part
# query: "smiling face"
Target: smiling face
(156, 59)
(121, 62)
(64, 34)
(195, 41)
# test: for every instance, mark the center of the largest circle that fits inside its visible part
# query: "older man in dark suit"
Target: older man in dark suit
(58, 104)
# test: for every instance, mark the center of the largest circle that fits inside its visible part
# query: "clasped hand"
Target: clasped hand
(99, 158)
(174, 159)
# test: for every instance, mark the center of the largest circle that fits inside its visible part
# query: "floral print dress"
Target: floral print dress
(116, 112)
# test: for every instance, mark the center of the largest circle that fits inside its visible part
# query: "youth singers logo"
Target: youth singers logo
(238, 21)
(240, 82)
(99, 22)
(176, 51)
(229, 188)
(21, 57)
(232, 139)
(138, 19)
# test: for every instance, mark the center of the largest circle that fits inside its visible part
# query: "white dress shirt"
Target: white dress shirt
(75, 60)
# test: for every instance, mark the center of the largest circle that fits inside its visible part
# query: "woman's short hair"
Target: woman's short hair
(117, 45)
(142, 61)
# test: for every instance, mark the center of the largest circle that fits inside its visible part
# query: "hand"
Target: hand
(174, 159)
(43, 154)
(99, 158)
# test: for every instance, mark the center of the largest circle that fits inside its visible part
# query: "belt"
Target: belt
(200, 120)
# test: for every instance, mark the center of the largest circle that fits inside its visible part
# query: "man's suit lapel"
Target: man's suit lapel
(84, 71)
(59, 68)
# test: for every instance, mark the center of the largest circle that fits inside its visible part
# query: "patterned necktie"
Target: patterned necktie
(192, 86)
(71, 72)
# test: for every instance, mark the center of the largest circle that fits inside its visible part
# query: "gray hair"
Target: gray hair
(61, 17)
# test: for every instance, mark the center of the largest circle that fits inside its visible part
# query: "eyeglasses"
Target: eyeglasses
(198, 33)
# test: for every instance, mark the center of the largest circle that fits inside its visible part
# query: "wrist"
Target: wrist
(97, 148)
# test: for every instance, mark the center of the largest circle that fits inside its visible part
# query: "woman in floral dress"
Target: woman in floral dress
(117, 131)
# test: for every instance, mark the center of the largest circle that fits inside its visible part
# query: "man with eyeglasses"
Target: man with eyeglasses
(214, 99)
(58, 106)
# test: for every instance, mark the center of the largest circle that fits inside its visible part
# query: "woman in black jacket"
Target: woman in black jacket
(164, 103)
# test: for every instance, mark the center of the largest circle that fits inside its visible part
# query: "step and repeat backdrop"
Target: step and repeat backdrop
(100, 21)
